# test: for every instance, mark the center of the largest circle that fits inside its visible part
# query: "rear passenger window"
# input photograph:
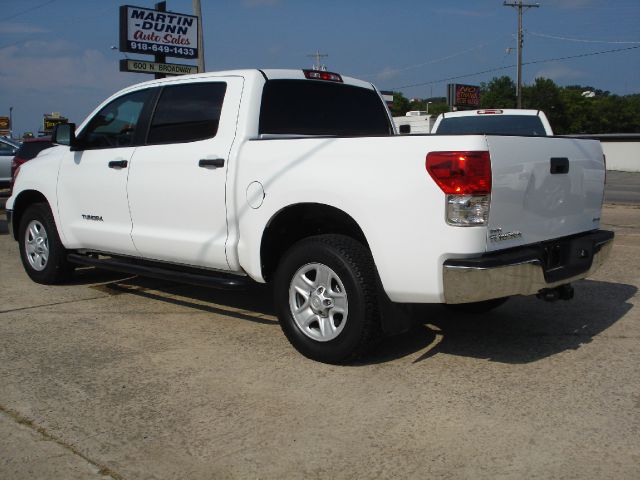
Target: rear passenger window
(186, 113)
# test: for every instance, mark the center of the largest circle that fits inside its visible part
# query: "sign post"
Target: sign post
(160, 57)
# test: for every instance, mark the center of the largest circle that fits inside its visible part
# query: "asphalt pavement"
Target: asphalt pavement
(622, 188)
(118, 377)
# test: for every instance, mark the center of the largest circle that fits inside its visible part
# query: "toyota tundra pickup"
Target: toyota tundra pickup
(298, 178)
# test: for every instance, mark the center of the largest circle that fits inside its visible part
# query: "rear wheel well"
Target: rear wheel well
(296, 222)
(22, 202)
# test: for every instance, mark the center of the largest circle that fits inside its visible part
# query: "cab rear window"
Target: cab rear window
(309, 107)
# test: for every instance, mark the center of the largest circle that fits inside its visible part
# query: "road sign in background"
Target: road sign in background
(50, 120)
(5, 126)
(463, 96)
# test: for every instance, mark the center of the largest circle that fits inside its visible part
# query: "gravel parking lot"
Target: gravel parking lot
(128, 378)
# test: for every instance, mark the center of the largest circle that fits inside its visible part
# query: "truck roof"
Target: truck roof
(270, 74)
(494, 111)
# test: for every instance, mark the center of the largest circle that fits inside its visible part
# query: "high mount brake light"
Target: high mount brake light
(320, 75)
(489, 112)
(461, 173)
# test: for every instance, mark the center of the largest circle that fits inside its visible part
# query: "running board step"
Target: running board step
(213, 279)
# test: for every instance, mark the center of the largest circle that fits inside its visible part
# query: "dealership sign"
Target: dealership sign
(142, 66)
(152, 32)
(5, 126)
(463, 96)
(50, 120)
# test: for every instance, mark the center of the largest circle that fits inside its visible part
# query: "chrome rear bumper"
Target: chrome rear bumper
(520, 271)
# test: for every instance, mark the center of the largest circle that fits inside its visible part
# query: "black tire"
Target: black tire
(477, 307)
(357, 331)
(56, 268)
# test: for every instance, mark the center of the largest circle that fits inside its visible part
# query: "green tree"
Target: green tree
(438, 108)
(400, 105)
(498, 93)
(545, 95)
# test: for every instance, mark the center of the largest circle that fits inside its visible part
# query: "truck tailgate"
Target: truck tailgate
(543, 188)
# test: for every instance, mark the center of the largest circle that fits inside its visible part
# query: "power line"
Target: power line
(66, 21)
(431, 62)
(569, 39)
(533, 62)
(582, 55)
(28, 10)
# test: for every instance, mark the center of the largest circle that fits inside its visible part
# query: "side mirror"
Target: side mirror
(405, 129)
(64, 134)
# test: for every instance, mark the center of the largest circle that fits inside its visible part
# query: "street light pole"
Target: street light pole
(11, 122)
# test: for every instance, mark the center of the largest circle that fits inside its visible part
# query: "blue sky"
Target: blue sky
(56, 55)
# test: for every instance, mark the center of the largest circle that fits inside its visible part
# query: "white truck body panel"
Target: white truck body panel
(402, 217)
(526, 198)
(87, 187)
(178, 208)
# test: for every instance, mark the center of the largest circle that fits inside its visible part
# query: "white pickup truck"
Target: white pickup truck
(491, 121)
(298, 178)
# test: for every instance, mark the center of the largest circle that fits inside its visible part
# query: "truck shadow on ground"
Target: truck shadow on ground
(253, 303)
(523, 330)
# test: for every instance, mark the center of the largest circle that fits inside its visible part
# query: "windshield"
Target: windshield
(526, 125)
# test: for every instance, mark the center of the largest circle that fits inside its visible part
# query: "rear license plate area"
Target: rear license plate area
(566, 258)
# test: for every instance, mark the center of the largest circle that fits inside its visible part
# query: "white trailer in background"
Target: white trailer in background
(418, 122)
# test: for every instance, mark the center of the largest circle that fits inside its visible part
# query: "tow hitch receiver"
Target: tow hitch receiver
(563, 292)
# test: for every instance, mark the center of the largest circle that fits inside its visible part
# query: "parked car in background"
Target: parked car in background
(494, 122)
(8, 149)
(29, 149)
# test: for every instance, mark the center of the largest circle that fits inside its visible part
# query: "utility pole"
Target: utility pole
(197, 10)
(160, 57)
(520, 6)
(318, 65)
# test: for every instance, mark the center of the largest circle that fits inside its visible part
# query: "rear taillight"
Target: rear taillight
(489, 112)
(465, 177)
(14, 166)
